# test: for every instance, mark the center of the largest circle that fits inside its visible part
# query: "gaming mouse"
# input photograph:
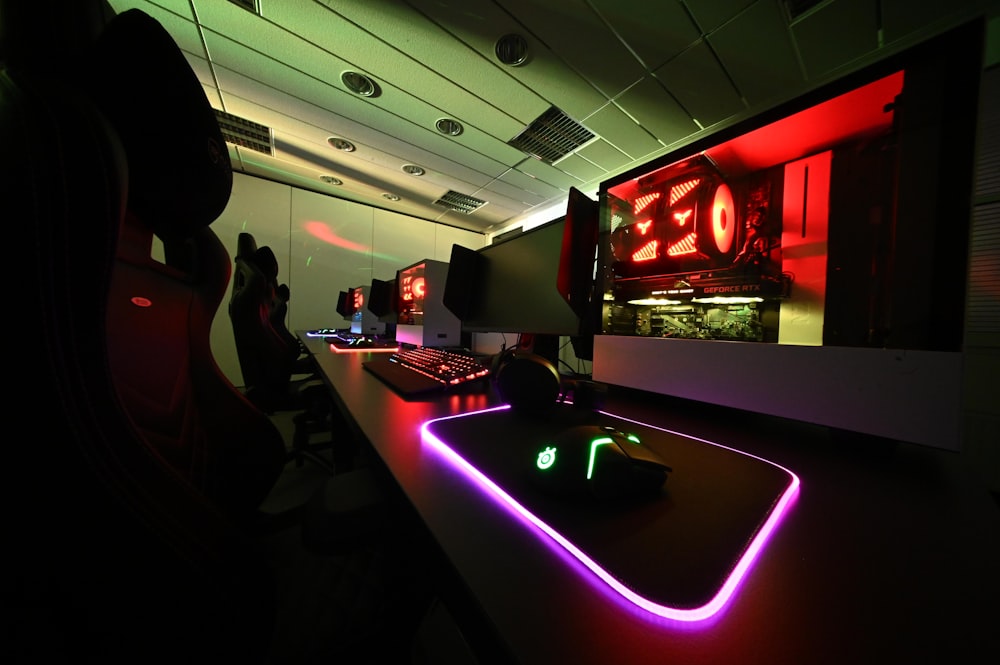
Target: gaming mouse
(597, 460)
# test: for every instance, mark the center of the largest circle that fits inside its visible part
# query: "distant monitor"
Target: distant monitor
(382, 300)
(345, 306)
(511, 286)
(422, 319)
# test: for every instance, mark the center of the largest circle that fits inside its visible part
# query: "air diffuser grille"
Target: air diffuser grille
(249, 5)
(460, 202)
(242, 132)
(552, 136)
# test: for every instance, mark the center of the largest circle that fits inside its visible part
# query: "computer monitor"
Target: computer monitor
(345, 305)
(512, 286)
(382, 300)
(422, 319)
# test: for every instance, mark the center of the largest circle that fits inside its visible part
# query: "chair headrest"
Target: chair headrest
(180, 175)
(265, 259)
(246, 245)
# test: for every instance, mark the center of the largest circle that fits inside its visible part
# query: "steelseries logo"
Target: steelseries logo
(743, 288)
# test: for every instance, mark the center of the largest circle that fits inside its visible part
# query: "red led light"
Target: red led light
(139, 301)
(682, 217)
(359, 299)
(643, 202)
(419, 287)
(677, 192)
(647, 252)
(686, 245)
(644, 226)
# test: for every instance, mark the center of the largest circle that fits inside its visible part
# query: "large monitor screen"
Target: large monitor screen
(511, 286)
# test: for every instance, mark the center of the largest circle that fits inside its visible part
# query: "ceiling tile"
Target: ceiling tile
(910, 20)
(757, 51)
(654, 31)
(536, 168)
(699, 83)
(581, 168)
(710, 15)
(612, 125)
(467, 62)
(835, 35)
(656, 110)
(604, 155)
(571, 29)
(533, 190)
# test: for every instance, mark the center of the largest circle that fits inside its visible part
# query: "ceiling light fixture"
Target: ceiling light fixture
(413, 169)
(449, 127)
(511, 50)
(331, 180)
(390, 197)
(360, 84)
(341, 144)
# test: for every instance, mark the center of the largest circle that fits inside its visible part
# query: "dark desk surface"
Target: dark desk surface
(891, 553)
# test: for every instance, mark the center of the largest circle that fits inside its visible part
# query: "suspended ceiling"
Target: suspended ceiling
(634, 78)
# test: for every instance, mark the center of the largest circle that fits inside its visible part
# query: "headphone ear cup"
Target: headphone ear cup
(528, 382)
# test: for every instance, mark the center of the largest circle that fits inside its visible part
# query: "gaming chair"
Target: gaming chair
(126, 523)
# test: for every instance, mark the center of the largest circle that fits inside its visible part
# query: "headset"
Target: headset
(532, 385)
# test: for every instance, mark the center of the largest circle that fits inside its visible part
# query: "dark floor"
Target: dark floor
(376, 601)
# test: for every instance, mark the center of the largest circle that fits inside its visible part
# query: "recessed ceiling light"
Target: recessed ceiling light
(413, 169)
(341, 144)
(449, 126)
(360, 84)
(511, 50)
(390, 197)
(331, 180)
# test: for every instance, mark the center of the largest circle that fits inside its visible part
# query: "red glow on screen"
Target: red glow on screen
(647, 252)
(686, 245)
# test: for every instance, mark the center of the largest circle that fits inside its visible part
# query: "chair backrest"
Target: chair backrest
(160, 313)
(266, 350)
(118, 557)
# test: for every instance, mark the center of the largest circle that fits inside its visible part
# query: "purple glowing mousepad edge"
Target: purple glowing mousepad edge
(680, 554)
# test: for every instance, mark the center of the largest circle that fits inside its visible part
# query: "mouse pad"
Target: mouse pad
(680, 553)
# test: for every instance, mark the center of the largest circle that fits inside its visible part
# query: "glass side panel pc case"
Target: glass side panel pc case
(840, 218)
(422, 318)
(363, 320)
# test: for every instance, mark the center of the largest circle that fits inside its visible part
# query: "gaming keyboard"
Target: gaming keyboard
(423, 369)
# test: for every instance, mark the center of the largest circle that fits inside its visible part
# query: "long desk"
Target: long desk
(890, 553)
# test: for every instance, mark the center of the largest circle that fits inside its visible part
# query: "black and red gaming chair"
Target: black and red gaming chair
(127, 503)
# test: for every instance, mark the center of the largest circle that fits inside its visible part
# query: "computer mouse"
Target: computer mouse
(601, 461)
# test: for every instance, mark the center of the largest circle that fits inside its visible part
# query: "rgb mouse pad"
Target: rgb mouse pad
(680, 553)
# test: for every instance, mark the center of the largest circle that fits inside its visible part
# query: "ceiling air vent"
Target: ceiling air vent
(243, 132)
(249, 5)
(552, 136)
(460, 202)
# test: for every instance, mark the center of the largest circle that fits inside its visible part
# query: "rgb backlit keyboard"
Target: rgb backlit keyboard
(450, 368)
